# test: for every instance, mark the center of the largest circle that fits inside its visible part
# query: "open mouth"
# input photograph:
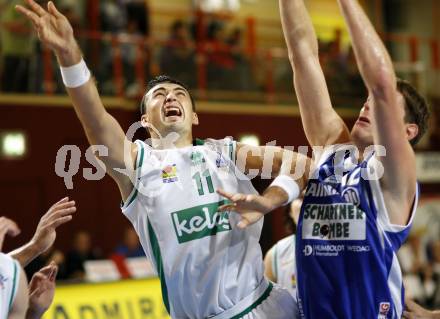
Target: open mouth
(363, 119)
(172, 112)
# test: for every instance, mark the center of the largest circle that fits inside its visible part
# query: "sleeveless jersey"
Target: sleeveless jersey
(284, 265)
(9, 280)
(206, 265)
(346, 245)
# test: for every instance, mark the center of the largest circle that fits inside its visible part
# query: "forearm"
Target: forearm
(298, 30)
(373, 60)
(86, 100)
(275, 197)
(25, 254)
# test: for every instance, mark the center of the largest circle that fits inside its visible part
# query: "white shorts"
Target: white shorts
(280, 304)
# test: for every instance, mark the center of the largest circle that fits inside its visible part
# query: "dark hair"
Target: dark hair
(164, 79)
(416, 108)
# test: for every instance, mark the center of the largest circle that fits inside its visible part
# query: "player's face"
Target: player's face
(362, 132)
(169, 109)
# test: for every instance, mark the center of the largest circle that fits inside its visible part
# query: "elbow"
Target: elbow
(380, 81)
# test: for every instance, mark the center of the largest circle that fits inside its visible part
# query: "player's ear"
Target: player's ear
(145, 120)
(411, 131)
(195, 119)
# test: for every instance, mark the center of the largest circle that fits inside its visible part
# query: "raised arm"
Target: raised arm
(388, 112)
(322, 125)
(55, 31)
(45, 234)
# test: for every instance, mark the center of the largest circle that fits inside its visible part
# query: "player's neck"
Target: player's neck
(172, 140)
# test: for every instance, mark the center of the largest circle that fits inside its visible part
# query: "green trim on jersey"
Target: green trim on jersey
(14, 285)
(138, 164)
(231, 150)
(258, 302)
(159, 264)
(199, 141)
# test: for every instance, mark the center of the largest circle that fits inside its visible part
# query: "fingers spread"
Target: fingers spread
(36, 8)
(63, 200)
(53, 10)
(224, 194)
(59, 221)
(69, 206)
(35, 19)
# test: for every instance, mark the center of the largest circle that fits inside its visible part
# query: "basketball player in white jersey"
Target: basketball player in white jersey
(279, 262)
(14, 293)
(16, 300)
(208, 265)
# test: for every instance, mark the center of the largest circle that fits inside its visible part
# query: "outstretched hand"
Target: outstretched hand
(7, 227)
(45, 234)
(250, 207)
(53, 28)
(42, 290)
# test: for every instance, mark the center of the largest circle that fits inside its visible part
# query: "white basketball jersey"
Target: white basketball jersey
(9, 279)
(284, 265)
(206, 264)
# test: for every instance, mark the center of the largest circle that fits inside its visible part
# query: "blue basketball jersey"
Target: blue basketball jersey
(346, 247)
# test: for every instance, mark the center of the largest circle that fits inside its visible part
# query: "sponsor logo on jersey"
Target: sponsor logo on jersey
(384, 308)
(323, 250)
(220, 162)
(169, 174)
(200, 221)
(337, 221)
(197, 158)
(308, 250)
(351, 195)
(359, 248)
(316, 189)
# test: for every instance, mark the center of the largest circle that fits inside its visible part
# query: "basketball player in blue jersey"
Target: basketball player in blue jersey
(355, 214)
(208, 265)
(351, 226)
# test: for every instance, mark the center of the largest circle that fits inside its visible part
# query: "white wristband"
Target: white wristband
(289, 185)
(75, 75)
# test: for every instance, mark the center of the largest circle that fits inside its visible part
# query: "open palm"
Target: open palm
(53, 28)
(250, 207)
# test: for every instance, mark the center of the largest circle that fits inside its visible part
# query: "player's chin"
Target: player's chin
(362, 135)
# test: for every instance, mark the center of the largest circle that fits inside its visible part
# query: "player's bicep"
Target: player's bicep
(21, 301)
(322, 125)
